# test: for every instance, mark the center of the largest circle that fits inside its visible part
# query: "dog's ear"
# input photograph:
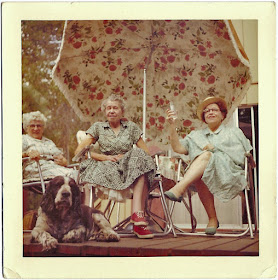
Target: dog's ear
(47, 203)
(76, 197)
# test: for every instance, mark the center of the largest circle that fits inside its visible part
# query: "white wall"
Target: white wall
(247, 31)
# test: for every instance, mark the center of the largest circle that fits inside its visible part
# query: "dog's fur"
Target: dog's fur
(62, 218)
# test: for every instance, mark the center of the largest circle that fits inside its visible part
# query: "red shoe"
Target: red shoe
(138, 219)
(142, 232)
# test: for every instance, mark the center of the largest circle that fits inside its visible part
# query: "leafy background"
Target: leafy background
(41, 41)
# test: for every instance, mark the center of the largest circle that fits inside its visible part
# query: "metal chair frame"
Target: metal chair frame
(125, 232)
(37, 186)
(40, 185)
(249, 162)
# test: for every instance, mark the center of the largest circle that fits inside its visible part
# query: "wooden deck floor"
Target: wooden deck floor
(158, 246)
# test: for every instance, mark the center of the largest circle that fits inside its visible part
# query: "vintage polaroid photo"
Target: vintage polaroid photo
(159, 91)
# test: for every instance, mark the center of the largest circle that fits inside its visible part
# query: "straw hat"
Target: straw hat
(207, 101)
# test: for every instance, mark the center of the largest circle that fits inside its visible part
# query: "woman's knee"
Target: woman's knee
(205, 156)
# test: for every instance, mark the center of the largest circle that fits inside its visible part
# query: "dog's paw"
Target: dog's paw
(74, 236)
(108, 236)
(114, 237)
(49, 243)
(44, 238)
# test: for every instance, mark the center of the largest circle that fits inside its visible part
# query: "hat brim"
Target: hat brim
(207, 102)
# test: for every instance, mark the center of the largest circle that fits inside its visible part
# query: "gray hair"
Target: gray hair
(113, 97)
(28, 117)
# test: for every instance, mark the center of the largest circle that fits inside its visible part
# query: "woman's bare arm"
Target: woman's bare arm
(86, 142)
(142, 145)
(174, 137)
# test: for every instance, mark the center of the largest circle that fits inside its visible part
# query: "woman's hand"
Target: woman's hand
(208, 147)
(174, 137)
(33, 154)
(60, 160)
(103, 157)
(171, 116)
(114, 158)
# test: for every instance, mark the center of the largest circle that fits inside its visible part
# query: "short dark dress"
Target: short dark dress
(114, 179)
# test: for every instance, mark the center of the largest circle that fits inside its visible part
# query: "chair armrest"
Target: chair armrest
(46, 157)
(81, 154)
(73, 165)
(157, 154)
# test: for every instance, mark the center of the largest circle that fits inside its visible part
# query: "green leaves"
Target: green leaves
(41, 41)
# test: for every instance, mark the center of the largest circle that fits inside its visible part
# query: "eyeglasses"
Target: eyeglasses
(214, 110)
(35, 125)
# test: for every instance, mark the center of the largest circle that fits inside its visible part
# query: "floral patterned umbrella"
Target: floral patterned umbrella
(185, 61)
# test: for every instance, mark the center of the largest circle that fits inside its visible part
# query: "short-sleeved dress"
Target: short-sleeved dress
(114, 179)
(224, 174)
(49, 168)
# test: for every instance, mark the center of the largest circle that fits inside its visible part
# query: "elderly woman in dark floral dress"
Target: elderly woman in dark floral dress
(120, 169)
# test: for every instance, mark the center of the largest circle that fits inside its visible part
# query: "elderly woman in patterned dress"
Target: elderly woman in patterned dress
(217, 158)
(34, 144)
(120, 169)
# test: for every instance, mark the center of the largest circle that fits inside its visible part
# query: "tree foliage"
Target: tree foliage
(41, 41)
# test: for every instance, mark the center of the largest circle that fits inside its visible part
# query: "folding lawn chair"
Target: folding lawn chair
(249, 165)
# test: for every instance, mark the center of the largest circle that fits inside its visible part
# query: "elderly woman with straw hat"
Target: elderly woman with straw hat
(217, 158)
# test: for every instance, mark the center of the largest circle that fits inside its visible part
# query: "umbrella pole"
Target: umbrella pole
(144, 106)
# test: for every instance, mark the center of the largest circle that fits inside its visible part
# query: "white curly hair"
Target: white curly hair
(28, 117)
(113, 97)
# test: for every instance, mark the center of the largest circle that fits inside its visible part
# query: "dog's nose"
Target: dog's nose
(65, 194)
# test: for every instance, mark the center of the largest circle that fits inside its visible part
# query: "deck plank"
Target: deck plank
(166, 248)
(235, 247)
(204, 247)
(133, 246)
(205, 243)
(252, 250)
(158, 246)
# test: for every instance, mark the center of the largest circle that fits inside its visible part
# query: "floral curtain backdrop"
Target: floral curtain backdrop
(185, 61)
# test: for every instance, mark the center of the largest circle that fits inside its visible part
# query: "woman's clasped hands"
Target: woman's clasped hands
(33, 154)
(114, 158)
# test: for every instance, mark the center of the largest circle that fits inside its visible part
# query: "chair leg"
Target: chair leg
(111, 209)
(118, 212)
(169, 226)
(192, 217)
(122, 229)
(170, 210)
(248, 214)
(252, 196)
(167, 213)
(91, 197)
(41, 177)
(108, 209)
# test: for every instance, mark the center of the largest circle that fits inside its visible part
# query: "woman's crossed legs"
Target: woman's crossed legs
(194, 175)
